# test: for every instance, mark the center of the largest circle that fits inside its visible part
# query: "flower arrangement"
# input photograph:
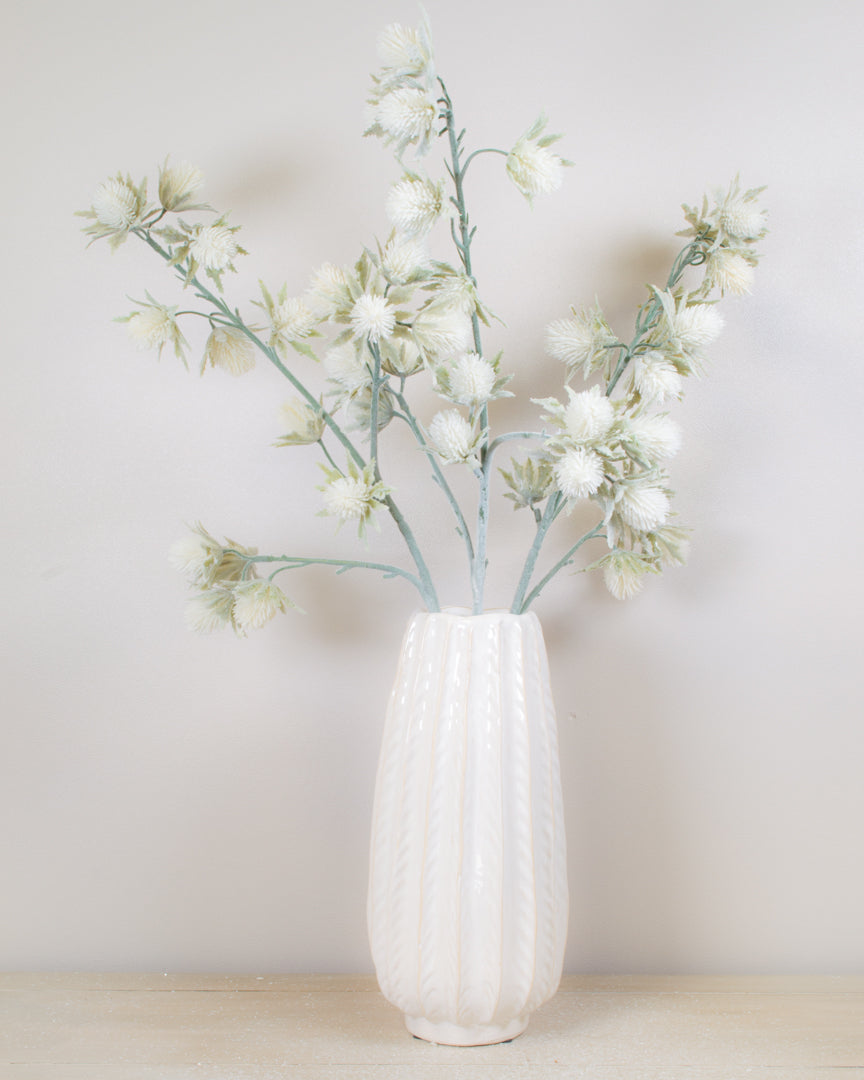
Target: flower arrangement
(400, 315)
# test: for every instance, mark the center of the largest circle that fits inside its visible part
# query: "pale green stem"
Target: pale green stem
(377, 382)
(565, 561)
(295, 562)
(328, 455)
(550, 512)
(463, 246)
(461, 525)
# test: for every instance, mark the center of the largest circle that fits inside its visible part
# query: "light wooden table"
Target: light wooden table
(327, 1027)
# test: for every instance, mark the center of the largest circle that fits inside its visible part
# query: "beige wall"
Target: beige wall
(179, 803)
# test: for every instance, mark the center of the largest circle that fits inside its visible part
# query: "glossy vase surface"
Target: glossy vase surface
(467, 909)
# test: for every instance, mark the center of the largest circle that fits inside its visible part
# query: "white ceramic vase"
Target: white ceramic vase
(468, 898)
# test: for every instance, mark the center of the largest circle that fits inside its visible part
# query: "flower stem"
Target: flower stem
(550, 512)
(295, 562)
(457, 171)
(565, 561)
(461, 525)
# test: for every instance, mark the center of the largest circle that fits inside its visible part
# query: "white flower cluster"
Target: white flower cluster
(730, 225)
(403, 105)
(228, 591)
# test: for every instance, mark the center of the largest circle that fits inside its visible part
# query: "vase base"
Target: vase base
(448, 1034)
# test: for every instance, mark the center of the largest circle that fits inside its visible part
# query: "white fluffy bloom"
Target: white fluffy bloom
(330, 288)
(229, 349)
(204, 560)
(373, 317)
(346, 368)
(155, 326)
(404, 258)
(578, 473)
(658, 436)
(353, 496)
(624, 573)
(730, 272)
(301, 424)
(404, 50)
(442, 332)
(293, 319)
(570, 340)
(256, 603)
(453, 438)
(209, 610)
(588, 416)
(740, 216)
(643, 506)
(471, 380)
(415, 204)
(116, 204)
(214, 247)
(696, 326)
(532, 166)
(406, 115)
(656, 377)
(178, 185)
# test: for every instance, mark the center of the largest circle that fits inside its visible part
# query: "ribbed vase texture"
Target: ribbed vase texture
(468, 884)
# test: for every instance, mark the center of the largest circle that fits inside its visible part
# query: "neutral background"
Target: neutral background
(169, 802)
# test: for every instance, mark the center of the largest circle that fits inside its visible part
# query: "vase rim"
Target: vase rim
(457, 612)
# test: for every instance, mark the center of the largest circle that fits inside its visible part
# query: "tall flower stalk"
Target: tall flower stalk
(399, 316)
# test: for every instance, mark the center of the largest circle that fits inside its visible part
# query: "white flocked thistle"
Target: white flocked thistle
(404, 315)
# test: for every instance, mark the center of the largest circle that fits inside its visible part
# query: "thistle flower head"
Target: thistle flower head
(581, 341)
(206, 562)
(441, 331)
(578, 472)
(154, 326)
(256, 603)
(210, 610)
(657, 438)
(178, 186)
(729, 271)
(214, 246)
(118, 206)
(229, 349)
(346, 368)
(330, 290)
(656, 377)
(373, 317)
(588, 416)
(406, 53)
(403, 117)
(693, 327)
(404, 259)
(414, 205)
(624, 572)
(470, 380)
(532, 166)
(739, 215)
(643, 505)
(454, 439)
(301, 424)
(353, 496)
